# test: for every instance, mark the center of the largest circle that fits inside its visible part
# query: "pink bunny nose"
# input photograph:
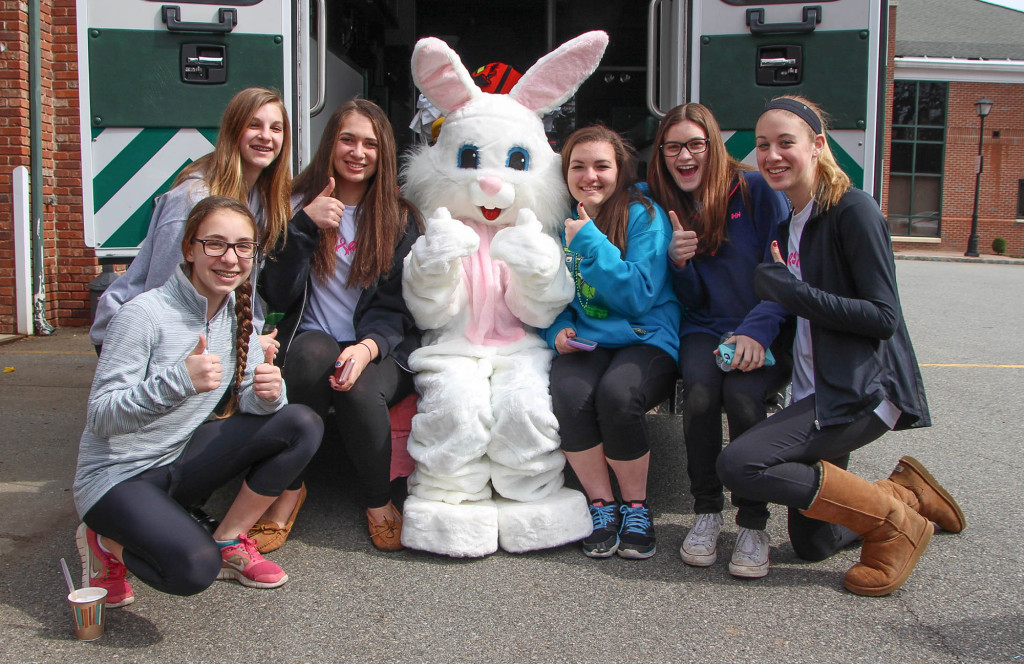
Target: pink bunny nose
(490, 184)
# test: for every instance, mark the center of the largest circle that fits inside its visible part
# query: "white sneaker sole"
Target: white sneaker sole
(230, 573)
(698, 560)
(85, 554)
(748, 571)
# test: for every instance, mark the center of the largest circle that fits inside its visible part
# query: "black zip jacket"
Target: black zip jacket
(380, 312)
(861, 347)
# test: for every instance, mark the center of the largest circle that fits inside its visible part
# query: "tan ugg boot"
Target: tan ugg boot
(911, 483)
(895, 536)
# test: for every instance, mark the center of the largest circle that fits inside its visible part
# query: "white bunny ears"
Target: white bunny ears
(444, 80)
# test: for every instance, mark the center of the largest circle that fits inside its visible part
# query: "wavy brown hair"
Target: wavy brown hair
(830, 180)
(222, 168)
(706, 209)
(243, 294)
(613, 219)
(382, 206)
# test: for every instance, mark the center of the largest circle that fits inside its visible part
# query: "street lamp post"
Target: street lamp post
(984, 105)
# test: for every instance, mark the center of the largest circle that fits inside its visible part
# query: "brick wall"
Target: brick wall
(68, 264)
(1003, 166)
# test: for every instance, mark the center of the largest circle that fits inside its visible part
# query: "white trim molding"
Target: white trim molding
(958, 69)
(915, 239)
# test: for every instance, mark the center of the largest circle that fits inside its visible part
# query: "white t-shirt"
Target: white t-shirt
(332, 304)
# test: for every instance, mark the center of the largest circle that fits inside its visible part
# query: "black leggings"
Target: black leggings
(361, 414)
(163, 545)
(706, 390)
(775, 461)
(604, 395)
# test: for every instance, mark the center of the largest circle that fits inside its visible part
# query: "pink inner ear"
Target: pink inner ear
(557, 75)
(437, 76)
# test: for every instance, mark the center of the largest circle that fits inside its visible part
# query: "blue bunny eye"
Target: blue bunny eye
(469, 157)
(518, 159)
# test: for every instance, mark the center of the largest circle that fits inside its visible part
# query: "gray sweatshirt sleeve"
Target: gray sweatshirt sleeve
(123, 398)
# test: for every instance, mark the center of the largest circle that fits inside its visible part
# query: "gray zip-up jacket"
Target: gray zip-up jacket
(143, 408)
(160, 254)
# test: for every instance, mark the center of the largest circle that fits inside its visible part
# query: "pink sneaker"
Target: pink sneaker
(102, 570)
(244, 563)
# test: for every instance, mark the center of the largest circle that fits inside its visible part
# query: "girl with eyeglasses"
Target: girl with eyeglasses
(249, 163)
(855, 375)
(154, 442)
(724, 219)
(347, 334)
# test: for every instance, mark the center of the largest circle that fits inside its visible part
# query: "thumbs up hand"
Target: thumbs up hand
(203, 368)
(684, 242)
(526, 248)
(325, 210)
(572, 226)
(266, 378)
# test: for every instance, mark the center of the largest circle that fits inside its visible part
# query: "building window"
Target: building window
(918, 155)
(1020, 199)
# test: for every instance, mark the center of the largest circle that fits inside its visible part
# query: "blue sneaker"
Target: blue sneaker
(636, 537)
(604, 541)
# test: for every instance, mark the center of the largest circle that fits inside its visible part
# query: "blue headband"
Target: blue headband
(797, 108)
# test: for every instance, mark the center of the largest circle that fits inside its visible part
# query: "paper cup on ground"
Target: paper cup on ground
(87, 605)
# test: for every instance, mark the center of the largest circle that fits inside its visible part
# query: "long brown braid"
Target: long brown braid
(243, 314)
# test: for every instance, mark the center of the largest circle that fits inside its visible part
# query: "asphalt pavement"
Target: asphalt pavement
(347, 602)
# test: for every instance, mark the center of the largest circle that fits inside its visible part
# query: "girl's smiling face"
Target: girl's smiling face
(355, 152)
(592, 174)
(686, 168)
(214, 277)
(787, 155)
(260, 142)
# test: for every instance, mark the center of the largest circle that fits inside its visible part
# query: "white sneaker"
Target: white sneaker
(750, 556)
(700, 548)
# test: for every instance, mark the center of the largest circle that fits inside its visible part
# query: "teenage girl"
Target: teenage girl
(855, 375)
(616, 248)
(339, 278)
(151, 447)
(724, 218)
(250, 163)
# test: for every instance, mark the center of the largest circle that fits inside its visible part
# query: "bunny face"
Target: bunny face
(491, 160)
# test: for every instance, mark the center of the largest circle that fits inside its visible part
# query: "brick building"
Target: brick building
(948, 54)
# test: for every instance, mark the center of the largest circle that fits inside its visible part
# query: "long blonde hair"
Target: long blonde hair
(830, 181)
(222, 168)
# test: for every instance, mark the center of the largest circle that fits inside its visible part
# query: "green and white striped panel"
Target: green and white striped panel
(132, 166)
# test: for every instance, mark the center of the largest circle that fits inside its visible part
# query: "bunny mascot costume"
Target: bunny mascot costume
(487, 270)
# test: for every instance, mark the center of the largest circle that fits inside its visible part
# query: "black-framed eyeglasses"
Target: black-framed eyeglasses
(693, 146)
(217, 248)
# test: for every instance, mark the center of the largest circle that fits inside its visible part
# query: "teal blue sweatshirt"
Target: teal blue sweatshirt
(623, 300)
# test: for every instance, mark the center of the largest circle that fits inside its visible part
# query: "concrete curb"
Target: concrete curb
(959, 259)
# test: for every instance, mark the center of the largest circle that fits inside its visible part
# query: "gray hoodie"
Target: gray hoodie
(143, 407)
(160, 254)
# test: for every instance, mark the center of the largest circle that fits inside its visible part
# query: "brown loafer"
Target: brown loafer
(268, 535)
(386, 533)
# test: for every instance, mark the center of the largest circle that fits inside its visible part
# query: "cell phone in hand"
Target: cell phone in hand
(580, 343)
(342, 373)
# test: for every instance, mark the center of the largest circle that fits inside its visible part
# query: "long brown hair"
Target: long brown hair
(830, 180)
(382, 206)
(243, 293)
(222, 168)
(706, 209)
(613, 219)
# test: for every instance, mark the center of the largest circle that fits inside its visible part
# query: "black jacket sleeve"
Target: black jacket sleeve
(872, 309)
(284, 276)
